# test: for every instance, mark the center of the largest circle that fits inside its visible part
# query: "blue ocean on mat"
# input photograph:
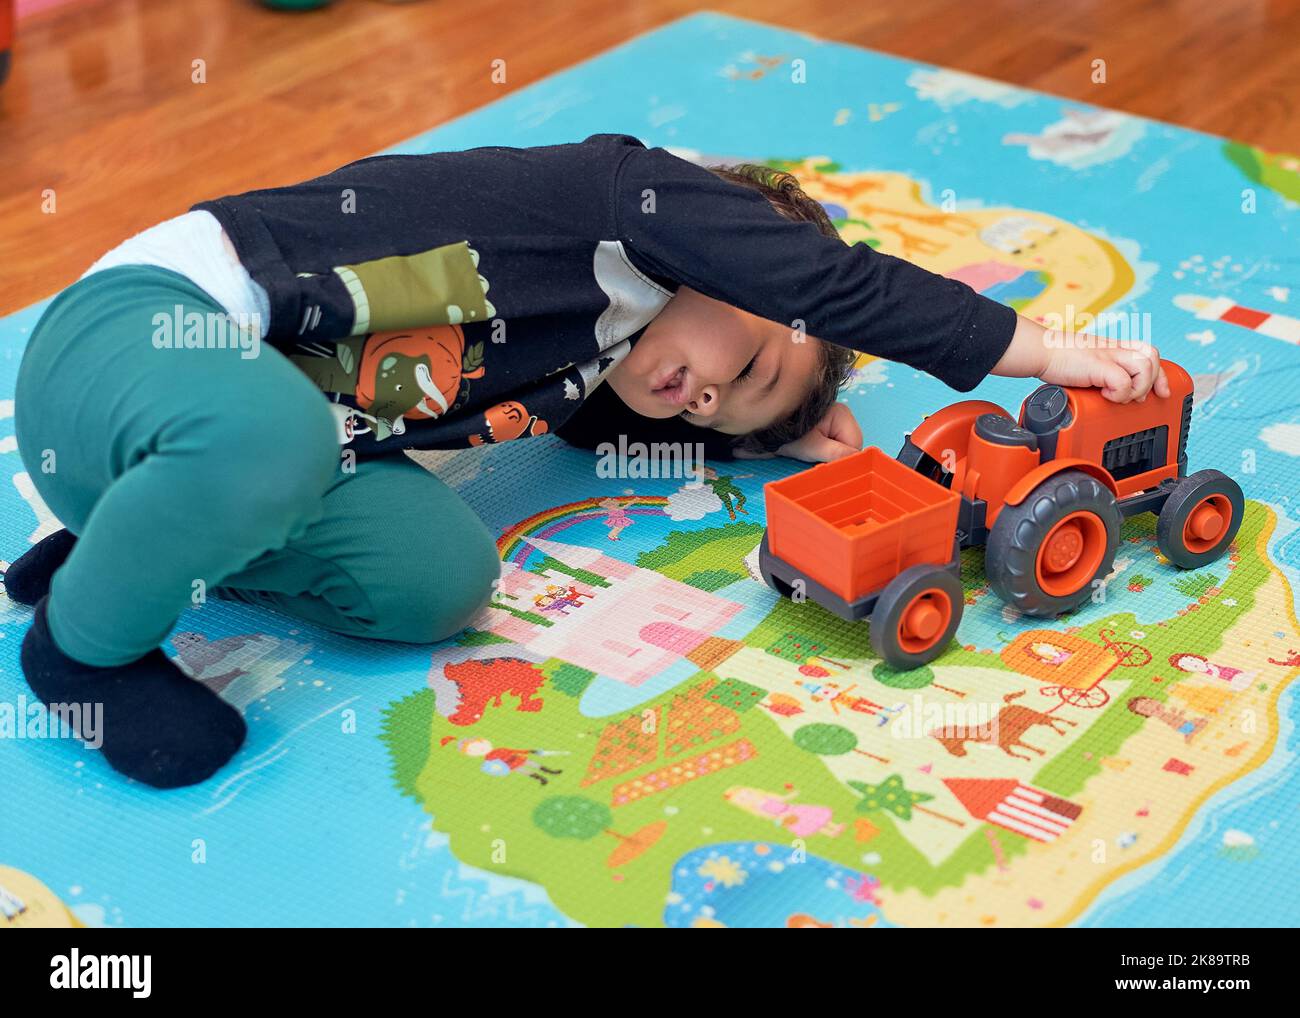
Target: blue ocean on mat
(1251, 817)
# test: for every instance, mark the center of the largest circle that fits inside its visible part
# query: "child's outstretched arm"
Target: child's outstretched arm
(730, 244)
(1122, 371)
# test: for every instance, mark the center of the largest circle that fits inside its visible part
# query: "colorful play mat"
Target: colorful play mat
(637, 732)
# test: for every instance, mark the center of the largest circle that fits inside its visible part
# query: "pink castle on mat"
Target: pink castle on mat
(630, 629)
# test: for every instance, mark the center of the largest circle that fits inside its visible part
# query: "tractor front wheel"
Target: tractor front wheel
(1044, 554)
(1199, 519)
(916, 616)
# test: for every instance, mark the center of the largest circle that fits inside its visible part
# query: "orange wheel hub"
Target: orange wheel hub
(1207, 523)
(924, 620)
(1071, 553)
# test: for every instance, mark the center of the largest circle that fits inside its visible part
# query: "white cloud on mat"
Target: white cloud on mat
(692, 502)
(947, 89)
(1282, 438)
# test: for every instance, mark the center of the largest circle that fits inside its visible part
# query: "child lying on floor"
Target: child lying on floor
(183, 406)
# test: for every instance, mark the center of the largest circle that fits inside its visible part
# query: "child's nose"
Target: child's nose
(706, 403)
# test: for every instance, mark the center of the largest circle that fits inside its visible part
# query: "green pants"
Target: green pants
(187, 470)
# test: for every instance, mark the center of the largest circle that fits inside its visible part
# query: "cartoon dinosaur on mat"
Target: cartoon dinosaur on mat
(464, 691)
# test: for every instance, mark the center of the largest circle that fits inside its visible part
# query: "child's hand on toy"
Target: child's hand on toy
(836, 435)
(1122, 373)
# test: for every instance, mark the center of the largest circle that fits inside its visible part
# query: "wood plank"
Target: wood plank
(101, 108)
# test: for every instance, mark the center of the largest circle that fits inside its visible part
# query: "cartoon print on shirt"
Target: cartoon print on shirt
(410, 371)
(507, 421)
(593, 372)
(396, 376)
(441, 286)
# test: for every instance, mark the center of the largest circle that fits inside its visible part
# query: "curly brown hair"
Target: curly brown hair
(835, 363)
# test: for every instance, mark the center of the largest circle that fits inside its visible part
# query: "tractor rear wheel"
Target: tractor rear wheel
(916, 616)
(1199, 519)
(1045, 554)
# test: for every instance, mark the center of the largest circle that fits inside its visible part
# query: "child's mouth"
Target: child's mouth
(673, 388)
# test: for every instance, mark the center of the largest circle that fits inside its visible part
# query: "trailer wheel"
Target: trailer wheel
(765, 570)
(782, 588)
(916, 616)
(1199, 519)
(1044, 554)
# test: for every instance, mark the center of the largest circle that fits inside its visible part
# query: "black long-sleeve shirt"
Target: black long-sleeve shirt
(465, 297)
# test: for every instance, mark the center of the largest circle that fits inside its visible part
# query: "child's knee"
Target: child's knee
(286, 455)
(307, 439)
(443, 599)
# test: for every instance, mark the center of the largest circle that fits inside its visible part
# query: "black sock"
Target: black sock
(158, 725)
(27, 579)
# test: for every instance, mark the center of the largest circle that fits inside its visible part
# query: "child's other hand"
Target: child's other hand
(1123, 373)
(836, 435)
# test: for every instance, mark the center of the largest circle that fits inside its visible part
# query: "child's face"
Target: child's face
(725, 368)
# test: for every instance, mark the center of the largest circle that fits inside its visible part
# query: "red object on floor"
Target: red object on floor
(6, 36)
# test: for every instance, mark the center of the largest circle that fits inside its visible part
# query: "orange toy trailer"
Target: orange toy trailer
(867, 536)
(872, 538)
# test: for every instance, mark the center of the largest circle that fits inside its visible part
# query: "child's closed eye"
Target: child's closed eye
(747, 370)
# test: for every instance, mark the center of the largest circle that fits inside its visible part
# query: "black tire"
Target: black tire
(893, 603)
(764, 570)
(1205, 486)
(1011, 558)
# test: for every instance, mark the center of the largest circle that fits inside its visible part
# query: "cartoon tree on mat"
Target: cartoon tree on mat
(1138, 582)
(738, 696)
(712, 579)
(890, 796)
(802, 650)
(571, 680)
(830, 740)
(1195, 586)
(913, 678)
(574, 816)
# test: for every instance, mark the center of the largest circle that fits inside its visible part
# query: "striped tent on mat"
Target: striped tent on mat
(1017, 807)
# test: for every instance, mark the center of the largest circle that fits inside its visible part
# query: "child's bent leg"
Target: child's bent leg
(396, 555)
(175, 467)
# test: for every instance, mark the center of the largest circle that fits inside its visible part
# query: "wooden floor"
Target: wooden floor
(101, 110)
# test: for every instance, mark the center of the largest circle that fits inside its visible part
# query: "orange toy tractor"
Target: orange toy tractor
(869, 536)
